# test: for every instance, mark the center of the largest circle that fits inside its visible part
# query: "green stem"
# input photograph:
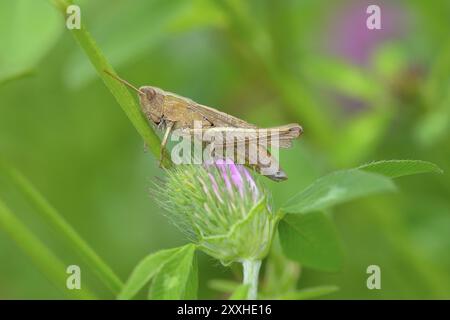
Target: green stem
(16, 76)
(46, 261)
(117, 89)
(60, 225)
(251, 273)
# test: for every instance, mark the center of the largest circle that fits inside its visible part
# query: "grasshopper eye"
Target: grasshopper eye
(150, 93)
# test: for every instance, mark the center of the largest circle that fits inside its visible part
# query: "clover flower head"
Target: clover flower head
(221, 207)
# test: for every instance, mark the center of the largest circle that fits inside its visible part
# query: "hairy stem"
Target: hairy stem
(251, 272)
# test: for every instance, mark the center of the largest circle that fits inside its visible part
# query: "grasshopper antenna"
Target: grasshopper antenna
(123, 81)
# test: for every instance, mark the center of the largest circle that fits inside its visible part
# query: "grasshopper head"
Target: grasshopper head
(151, 98)
(152, 102)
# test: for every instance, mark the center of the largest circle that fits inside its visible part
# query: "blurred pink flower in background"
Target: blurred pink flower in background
(347, 36)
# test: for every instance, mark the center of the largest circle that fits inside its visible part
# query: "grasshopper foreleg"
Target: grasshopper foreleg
(169, 126)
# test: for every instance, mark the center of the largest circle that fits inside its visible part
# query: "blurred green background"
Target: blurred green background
(360, 94)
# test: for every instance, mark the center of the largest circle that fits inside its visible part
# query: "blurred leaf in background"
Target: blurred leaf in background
(28, 30)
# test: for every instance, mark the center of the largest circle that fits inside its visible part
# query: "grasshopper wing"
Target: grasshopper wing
(220, 119)
(282, 135)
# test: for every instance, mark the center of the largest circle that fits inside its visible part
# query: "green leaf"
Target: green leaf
(336, 188)
(399, 168)
(436, 86)
(192, 281)
(364, 132)
(223, 285)
(389, 60)
(434, 126)
(197, 14)
(29, 30)
(144, 271)
(309, 293)
(280, 273)
(312, 240)
(178, 277)
(240, 293)
(344, 77)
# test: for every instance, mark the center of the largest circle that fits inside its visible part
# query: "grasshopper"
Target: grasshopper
(169, 111)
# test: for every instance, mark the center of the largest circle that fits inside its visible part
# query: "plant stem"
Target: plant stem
(117, 89)
(47, 262)
(64, 229)
(251, 272)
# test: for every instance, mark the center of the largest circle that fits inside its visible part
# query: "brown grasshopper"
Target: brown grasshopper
(169, 111)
